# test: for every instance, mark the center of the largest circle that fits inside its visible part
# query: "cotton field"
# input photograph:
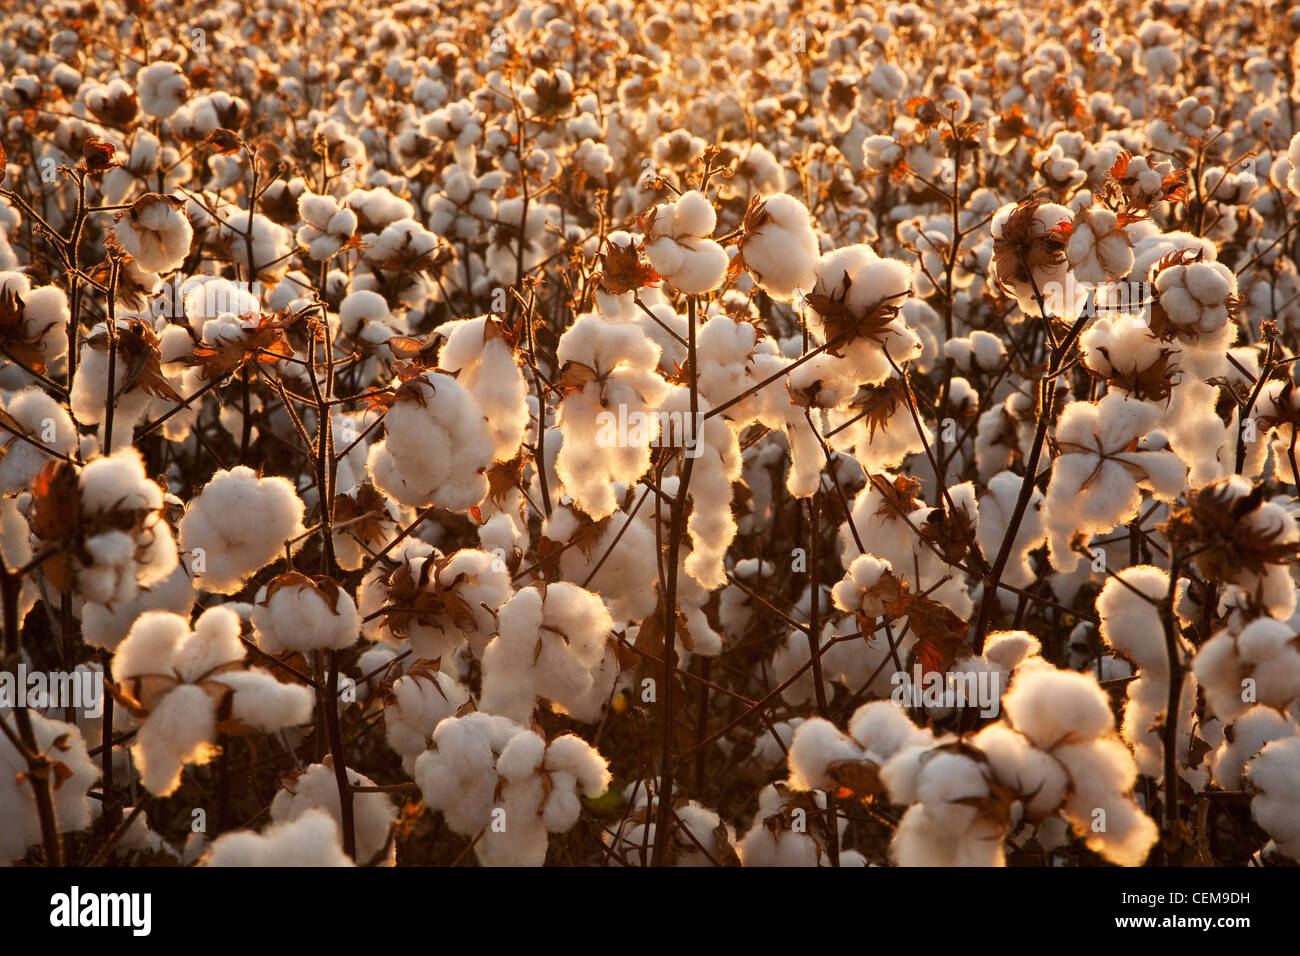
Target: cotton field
(621, 434)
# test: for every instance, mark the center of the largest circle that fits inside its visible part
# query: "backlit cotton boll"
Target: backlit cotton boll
(491, 776)
(435, 602)
(413, 708)
(299, 613)
(316, 789)
(328, 225)
(237, 525)
(436, 446)
(779, 246)
(40, 417)
(478, 352)
(678, 247)
(1198, 297)
(36, 331)
(162, 88)
(185, 684)
(72, 767)
(555, 645)
(310, 839)
(156, 232)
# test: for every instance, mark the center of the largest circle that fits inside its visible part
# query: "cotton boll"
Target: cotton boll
(481, 357)
(39, 334)
(45, 421)
(73, 768)
(241, 523)
(316, 788)
(436, 447)
(1251, 731)
(555, 646)
(1049, 706)
(1096, 482)
(626, 579)
(779, 246)
(415, 706)
(605, 416)
(297, 613)
(162, 88)
(1103, 774)
(773, 840)
(678, 247)
(816, 746)
(156, 232)
(104, 625)
(311, 839)
(328, 228)
(1275, 774)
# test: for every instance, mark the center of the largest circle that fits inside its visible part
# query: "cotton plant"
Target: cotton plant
(185, 685)
(507, 786)
(35, 331)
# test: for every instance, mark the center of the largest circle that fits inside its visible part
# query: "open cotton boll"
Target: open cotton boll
(1029, 258)
(414, 707)
(627, 577)
(554, 645)
(1275, 775)
(311, 839)
(155, 232)
(435, 448)
(995, 509)
(1049, 705)
(237, 525)
(181, 679)
(490, 776)
(317, 789)
(106, 625)
(1197, 298)
(295, 612)
(135, 547)
(1100, 807)
(1259, 665)
(1253, 729)
(162, 87)
(786, 830)
(244, 235)
(818, 745)
(38, 333)
(1099, 249)
(1097, 481)
(73, 768)
(483, 360)
(46, 422)
(328, 225)
(435, 602)
(678, 247)
(779, 246)
(607, 413)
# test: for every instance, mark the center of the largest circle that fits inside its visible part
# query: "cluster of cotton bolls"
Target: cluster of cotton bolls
(506, 785)
(463, 355)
